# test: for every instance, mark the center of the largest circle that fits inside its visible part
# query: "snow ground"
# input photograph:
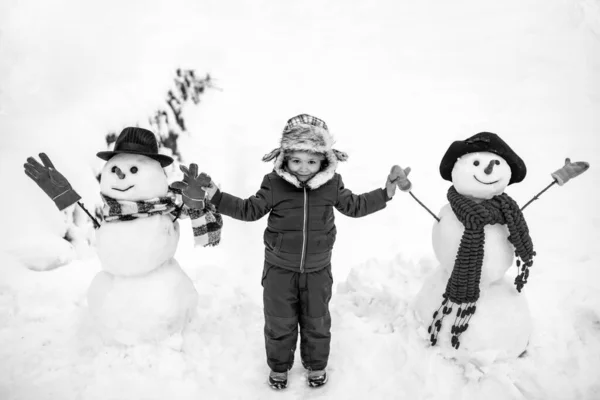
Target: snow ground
(396, 82)
(52, 351)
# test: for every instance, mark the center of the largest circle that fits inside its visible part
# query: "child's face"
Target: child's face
(304, 165)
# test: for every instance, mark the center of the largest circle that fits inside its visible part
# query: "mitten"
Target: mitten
(399, 176)
(52, 182)
(569, 170)
(191, 187)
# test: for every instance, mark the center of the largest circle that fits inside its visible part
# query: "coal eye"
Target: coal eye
(497, 162)
(476, 162)
(113, 169)
(133, 170)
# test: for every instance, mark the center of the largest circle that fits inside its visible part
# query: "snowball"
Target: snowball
(144, 308)
(484, 180)
(142, 178)
(127, 248)
(42, 251)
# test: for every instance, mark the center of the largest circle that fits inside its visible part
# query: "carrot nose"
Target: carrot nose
(119, 173)
(488, 170)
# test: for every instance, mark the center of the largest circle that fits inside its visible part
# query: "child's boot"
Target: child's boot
(317, 378)
(278, 380)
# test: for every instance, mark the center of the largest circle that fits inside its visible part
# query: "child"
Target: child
(300, 195)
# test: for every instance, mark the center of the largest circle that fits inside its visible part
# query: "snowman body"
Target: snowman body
(129, 248)
(141, 294)
(501, 326)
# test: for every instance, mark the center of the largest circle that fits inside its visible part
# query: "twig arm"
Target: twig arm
(537, 196)
(425, 207)
(94, 220)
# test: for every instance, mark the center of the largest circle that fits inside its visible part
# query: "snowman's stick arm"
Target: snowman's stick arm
(563, 175)
(178, 212)
(424, 206)
(94, 220)
(537, 196)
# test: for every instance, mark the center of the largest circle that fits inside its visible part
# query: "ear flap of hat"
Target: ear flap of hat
(340, 155)
(272, 155)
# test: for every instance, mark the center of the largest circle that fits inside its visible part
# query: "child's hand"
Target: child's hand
(210, 188)
(399, 177)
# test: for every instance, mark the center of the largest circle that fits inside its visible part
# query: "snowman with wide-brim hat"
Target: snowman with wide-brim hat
(141, 294)
(469, 305)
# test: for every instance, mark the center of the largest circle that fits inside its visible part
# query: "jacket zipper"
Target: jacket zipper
(304, 231)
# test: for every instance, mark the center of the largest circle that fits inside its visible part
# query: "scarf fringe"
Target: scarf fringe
(464, 312)
(523, 271)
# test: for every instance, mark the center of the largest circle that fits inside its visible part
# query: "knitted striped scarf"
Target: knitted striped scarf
(462, 289)
(206, 223)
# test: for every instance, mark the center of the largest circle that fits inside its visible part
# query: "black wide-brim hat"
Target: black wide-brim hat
(483, 141)
(140, 141)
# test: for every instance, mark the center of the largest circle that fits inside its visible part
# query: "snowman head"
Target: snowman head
(133, 177)
(134, 168)
(481, 175)
(482, 166)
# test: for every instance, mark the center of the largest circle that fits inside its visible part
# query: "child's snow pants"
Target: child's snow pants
(290, 299)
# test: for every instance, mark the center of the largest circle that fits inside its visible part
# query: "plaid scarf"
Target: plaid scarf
(462, 289)
(206, 223)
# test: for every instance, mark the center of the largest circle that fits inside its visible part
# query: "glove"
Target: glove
(399, 177)
(52, 182)
(191, 186)
(569, 170)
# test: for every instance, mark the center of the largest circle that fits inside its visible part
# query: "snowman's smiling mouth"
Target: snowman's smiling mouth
(124, 190)
(486, 183)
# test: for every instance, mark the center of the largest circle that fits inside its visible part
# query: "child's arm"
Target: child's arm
(250, 209)
(354, 205)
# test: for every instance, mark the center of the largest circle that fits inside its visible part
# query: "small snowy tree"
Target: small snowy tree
(169, 123)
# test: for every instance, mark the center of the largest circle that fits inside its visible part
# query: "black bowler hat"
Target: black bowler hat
(483, 141)
(137, 141)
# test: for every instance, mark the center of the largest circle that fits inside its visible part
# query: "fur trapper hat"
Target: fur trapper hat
(306, 133)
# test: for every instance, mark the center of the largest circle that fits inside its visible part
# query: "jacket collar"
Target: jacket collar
(313, 183)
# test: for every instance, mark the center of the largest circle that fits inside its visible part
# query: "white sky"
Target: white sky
(395, 64)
